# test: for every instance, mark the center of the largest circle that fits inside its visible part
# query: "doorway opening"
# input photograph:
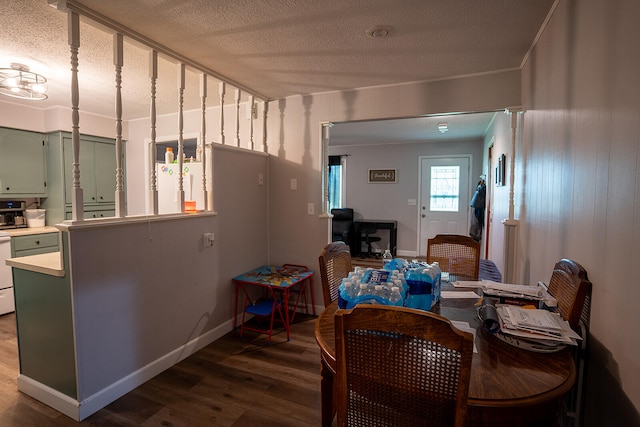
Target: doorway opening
(445, 186)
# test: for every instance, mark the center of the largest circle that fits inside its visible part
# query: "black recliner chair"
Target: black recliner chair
(342, 226)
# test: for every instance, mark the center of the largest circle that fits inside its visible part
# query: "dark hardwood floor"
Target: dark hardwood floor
(232, 382)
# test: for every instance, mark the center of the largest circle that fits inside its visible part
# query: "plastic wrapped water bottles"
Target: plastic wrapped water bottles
(395, 298)
(424, 287)
(386, 259)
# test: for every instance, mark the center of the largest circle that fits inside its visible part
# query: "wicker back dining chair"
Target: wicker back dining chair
(457, 255)
(400, 367)
(570, 285)
(335, 264)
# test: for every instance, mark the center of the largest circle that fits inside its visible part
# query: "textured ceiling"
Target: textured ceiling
(418, 129)
(276, 48)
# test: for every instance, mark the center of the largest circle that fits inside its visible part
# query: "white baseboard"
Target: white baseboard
(58, 401)
(79, 410)
(408, 254)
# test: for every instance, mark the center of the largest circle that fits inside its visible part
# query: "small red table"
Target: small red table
(279, 282)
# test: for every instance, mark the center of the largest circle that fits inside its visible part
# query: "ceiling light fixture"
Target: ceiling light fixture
(18, 82)
(380, 31)
(443, 127)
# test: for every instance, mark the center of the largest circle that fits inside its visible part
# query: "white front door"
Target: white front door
(444, 197)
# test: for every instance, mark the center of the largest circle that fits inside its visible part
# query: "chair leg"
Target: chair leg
(273, 313)
(244, 306)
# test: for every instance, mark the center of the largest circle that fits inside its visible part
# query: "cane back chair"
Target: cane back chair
(401, 367)
(571, 287)
(335, 264)
(457, 255)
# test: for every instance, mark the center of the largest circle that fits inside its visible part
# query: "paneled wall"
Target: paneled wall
(581, 182)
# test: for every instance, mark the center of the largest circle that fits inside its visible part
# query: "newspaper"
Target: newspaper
(535, 325)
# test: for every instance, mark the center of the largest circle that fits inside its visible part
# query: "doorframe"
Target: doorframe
(489, 196)
(419, 198)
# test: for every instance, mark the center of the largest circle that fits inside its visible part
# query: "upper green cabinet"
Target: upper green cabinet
(23, 170)
(97, 176)
(97, 170)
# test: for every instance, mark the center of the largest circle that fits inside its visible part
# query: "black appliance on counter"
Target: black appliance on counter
(12, 214)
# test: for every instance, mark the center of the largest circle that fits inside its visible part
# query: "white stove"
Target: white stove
(7, 304)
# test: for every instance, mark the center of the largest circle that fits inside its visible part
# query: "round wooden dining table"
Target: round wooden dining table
(509, 386)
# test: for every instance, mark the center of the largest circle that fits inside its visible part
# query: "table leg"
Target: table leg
(326, 395)
(235, 309)
(287, 325)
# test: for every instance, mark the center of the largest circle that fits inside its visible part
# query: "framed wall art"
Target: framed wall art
(382, 176)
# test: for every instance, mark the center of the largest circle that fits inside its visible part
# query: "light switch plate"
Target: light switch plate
(209, 239)
(311, 208)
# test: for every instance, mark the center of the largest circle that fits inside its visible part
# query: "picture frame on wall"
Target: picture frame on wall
(387, 176)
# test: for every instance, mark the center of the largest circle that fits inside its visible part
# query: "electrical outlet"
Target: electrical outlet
(293, 184)
(208, 239)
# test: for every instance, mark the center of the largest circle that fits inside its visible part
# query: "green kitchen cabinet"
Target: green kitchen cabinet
(23, 170)
(97, 170)
(97, 176)
(34, 244)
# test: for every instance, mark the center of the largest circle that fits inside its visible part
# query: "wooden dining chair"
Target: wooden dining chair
(570, 285)
(335, 264)
(457, 255)
(397, 366)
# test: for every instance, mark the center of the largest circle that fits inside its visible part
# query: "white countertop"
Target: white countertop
(13, 232)
(49, 263)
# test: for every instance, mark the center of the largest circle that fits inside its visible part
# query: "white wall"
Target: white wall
(151, 287)
(294, 145)
(390, 201)
(56, 119)
(499, 134)
(582, 181)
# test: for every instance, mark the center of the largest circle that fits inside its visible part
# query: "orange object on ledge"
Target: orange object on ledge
(190, 206)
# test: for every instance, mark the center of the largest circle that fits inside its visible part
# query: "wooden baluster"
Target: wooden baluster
(77, 207)
(325, 166)
(251, 107)
(153, 178)
(209, 166)
(265, 110)
(221, 92)
(237, 99)
(180, 135)
(203, 134)
(118, 60)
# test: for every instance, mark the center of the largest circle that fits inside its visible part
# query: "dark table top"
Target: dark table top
(501, 375)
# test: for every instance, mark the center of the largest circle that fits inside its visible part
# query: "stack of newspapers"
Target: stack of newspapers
(506, 293)
(535, 325)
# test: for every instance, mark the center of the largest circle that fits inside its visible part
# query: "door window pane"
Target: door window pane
(445, 188)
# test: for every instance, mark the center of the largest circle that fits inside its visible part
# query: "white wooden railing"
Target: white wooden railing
(74, 10)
